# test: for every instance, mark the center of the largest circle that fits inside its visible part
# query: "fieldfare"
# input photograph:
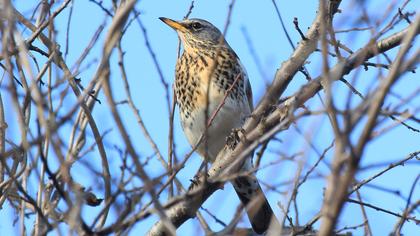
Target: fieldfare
(207, 75)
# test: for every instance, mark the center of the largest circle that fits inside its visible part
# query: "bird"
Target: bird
(214, 96)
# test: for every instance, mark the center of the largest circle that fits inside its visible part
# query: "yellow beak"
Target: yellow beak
(173, 24)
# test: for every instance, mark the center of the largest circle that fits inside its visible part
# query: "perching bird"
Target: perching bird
(207, 74)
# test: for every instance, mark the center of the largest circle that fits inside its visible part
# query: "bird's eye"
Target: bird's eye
(196, 26)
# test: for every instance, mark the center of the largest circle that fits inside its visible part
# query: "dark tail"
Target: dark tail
(256, 205)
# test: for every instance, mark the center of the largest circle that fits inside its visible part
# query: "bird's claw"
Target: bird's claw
(233, 139)
(197, 180)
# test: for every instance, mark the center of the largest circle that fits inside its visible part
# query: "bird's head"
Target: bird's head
(196, 34)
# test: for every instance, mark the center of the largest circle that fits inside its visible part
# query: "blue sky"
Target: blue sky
(260, 21)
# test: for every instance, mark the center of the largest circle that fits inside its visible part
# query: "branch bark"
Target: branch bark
(346, 163)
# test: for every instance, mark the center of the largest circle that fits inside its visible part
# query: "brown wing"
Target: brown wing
(247, 86)
(248, 91)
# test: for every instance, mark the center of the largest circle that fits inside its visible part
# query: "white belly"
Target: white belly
(231, 115)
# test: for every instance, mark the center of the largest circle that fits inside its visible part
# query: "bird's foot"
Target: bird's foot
(233, 139)
(194, 182)
(197, 180)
